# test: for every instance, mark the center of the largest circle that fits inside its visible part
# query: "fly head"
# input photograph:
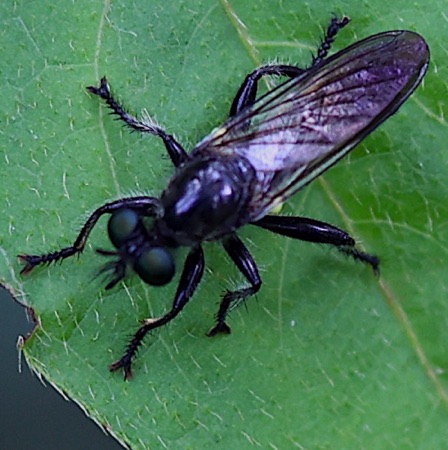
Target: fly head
(138, 248)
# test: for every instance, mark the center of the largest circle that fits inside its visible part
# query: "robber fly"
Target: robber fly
(264, 153)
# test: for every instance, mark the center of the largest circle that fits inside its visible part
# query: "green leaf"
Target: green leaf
(328, 356)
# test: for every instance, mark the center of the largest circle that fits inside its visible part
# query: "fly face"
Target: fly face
(152, 261)
(268, 149)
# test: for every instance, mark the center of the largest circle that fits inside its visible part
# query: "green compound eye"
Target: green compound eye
(155, 266)
(122, 224)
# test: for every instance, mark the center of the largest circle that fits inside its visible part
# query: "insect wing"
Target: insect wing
(305, 125)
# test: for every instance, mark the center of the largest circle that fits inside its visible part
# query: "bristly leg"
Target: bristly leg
(146, 206)
(189, 280)
(175, 151)
(242, 258)
(312, 230)
(333, 29)
(372, 260)
(247, 92)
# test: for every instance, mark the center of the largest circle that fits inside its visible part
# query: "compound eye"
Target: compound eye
(155, 266)
(122, 224)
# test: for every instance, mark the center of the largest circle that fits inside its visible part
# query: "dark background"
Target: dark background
(32, 415)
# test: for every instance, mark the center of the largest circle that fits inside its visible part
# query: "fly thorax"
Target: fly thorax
(206, 199)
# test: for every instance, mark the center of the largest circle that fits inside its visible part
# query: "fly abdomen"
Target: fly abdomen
(206, 199)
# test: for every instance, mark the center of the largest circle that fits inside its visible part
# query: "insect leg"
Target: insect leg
(333, 29)
(175, 151)
(243, 260)
(319, 232)
(248, 90)
(147, 206)
(189, 280)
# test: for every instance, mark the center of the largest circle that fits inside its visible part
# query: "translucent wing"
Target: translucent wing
(301, 128)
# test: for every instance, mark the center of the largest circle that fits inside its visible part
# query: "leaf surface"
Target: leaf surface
(327, 356)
